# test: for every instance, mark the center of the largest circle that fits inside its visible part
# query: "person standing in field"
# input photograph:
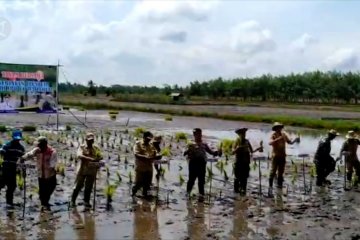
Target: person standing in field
(11, 152)
(145, 154)
(156, 142)
(325, 163)
(243, 151)
(349, 150)
(196, 154)
(278, 141)
(90, 156)
(46, 159)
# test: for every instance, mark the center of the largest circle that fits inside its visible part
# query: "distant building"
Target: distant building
(176, 96)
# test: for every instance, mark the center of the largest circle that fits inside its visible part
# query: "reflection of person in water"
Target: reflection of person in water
(47, 227)
(196, 221)
(146, 224)
(88, 231)
(276, 217)
(240, 224)
(8, 229)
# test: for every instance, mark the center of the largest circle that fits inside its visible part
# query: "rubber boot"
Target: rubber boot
(236, 186)
(280, 181)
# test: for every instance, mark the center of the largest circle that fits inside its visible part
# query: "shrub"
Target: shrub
(29, 128)
(2, 128)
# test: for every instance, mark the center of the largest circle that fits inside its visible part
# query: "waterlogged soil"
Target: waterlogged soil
(320, 213)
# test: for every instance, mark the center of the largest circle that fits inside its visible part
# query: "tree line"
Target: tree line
(309, 87)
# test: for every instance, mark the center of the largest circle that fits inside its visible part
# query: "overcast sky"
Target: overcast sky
(176, 42)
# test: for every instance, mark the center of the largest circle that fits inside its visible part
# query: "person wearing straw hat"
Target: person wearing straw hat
(46, 159)
(242, 150)
(325, 163)
(156, 143)
(349, 150)
(11, 152)
(90, 156)
(278, 141)
(145, 154)
(196, 154)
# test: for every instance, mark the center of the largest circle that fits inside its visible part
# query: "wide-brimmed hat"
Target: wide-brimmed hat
(157, 139)
(16, 135)
(90, 136)
(277, 125)
(333, 132)
(351, 135)
(240, 130)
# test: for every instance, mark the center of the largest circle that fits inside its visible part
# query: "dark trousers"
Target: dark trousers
(142, 180)
(9, 177)
(46, 189)
(87, 180)
(277, 166)
(196, 171)
(242, 170)
(323, 168)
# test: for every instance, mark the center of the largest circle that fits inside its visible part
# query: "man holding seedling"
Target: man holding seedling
(145, 155)
(349, 150)
(325, 163)
(11, 152)
(196, 154)
(278, 141)
(46, 159)
(242, 150)
(90, 156)
(156, 143)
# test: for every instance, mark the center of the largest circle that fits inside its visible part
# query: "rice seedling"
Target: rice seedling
(313, 170)
(118, 158)
(138, 132)
(226, 177)
(162, 171)
(113, 112)
(220, 165)
(20, 181)
(68, 128)
(226, 147)
(60, 169)
(354, 180)
(130, 175)
(180, 136)
(168, 118)
(113, 117)
(109, 192)
(1, 160)
(119, 178)
(181, 179)
(209, 172)
(166, 152)
(254, 165)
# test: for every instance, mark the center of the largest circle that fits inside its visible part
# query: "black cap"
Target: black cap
(148, 134)
(240, 130)
(197, 130)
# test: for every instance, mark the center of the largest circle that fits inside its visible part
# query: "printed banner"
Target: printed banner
(28, 88)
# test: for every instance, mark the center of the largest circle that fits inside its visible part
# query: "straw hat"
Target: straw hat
(90, 136)
(277, 125)
(333, 132)
(351, 135)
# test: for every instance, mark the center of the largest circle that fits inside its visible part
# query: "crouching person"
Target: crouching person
(90, 156)
(46, 158)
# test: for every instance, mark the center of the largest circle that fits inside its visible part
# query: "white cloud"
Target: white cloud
(303, 42)
(250, 38)
(344, 59)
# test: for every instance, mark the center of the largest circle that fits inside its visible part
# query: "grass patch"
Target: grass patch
(168, 118)
(180, 136)
(3, 128)
(297, 121)
(138, 132)
(29, 128)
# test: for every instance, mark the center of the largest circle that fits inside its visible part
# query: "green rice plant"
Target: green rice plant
(118, 158)
(209, 172)
(20, 181)
(60, 169)
(166, 152)
(162, 171)
(68, 128)
(220, 165)
(107, 171)
(1, 160)
(226, 146)
(138, 132)
(29, 128)
(294, 168)
(113, 117)
(3, 128)
(168, 118)
(355, 180)
(226, 177)
(181, 179)
(130, 175)
(180, 136)
(254, 165)
(293, 179)
(313, 170)
(119, 178)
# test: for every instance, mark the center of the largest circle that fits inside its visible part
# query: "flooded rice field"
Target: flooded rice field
(321, 213)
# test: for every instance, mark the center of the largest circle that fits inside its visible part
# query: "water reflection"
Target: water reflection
(8, 229)
(196, 225)
(47, 226)
(240, 229)
(276, 215)
(84, 227)
(146, 224)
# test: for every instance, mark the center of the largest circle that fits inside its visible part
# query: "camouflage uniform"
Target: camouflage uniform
(242, 164)
(87, 171)
(143, 167)
(352, 161)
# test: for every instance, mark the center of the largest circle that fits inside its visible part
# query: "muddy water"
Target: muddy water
(323, 214)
